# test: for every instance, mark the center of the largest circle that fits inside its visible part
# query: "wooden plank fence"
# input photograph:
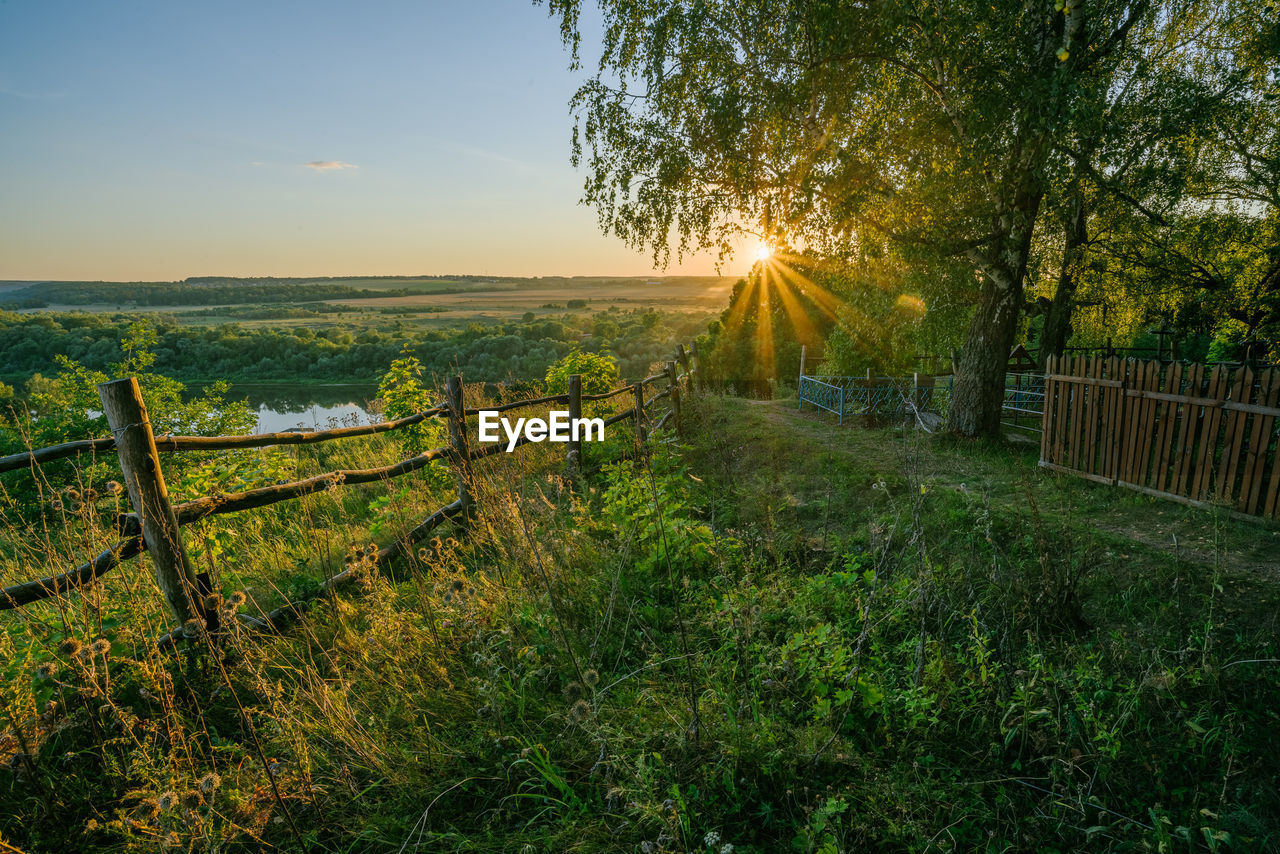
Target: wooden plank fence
(1188, 433)
(155, 524)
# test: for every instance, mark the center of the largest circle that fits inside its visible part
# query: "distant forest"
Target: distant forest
(34, 343)
(189, 292)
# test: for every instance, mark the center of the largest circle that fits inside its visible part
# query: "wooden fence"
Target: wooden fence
(155, 524)
(1189, 433)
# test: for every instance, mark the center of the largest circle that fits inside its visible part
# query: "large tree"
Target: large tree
(931, 125)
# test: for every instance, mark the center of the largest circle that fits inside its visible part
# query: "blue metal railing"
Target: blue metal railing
(896, 396)
(823, 395)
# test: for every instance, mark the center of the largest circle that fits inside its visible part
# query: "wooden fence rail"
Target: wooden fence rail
(1190, 433)
(155, 525)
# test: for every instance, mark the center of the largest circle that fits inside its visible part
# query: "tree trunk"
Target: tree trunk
(1057, 320)
(982, 363)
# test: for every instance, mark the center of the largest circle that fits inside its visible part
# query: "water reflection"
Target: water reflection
(283, 406)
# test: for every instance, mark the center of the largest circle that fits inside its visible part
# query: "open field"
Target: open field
(433, 302)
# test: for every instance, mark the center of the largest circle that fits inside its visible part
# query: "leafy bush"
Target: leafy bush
(599, 373)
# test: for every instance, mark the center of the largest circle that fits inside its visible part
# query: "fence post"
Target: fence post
(140, 463)
(458, 444)
(575, 412)
(673, 384)
(640, 433)
(683, 358)
(802, 355)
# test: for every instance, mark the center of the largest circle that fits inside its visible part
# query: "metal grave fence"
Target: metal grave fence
(888, 397)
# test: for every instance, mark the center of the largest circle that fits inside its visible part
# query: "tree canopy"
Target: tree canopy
(940, 129)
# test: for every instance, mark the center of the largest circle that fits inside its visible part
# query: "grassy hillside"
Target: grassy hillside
(777, 635)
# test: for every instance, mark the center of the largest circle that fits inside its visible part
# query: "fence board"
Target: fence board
(1187, 414)
(1259, 441)
(1212, 418)
(1234, 442)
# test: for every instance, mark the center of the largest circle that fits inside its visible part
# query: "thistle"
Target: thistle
(70, 647)
(579, 712)
(101, 646)
(590, 678)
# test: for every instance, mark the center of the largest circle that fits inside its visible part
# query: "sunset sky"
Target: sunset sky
(160, 140)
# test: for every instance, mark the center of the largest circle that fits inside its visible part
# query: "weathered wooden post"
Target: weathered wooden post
(699, 383)
(683, 358)
(460, 448)
(140, 463)
(575, 412)
(673, 381)
(640, 431)
(802, 355)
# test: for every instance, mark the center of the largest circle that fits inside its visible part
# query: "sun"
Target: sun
(764, 252)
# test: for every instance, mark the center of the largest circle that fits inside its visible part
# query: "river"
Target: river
(282, 406)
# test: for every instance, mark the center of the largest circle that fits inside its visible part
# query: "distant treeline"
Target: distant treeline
(182, 293)
(31, 343)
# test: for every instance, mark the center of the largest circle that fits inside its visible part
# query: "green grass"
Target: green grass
(780, 635)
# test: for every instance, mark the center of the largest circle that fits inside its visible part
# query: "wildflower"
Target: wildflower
(212, 602)
(91, 495)
(423, 554)
(590, 678)
(114, 488)
(209, 783)
(46, 671)
(236, 600)
(167, 800)
(101, 646)
(70, 647)
(727, 848)
(193, 628)
(579, 712)
(76, 506)
(192, 799)
(572, 691)
(711, 839)
(72, 493)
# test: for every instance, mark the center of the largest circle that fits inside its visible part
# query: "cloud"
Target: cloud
(329, 165)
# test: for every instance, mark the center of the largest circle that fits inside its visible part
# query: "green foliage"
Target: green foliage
(599, 373)
(858, 617)
(403, 393)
